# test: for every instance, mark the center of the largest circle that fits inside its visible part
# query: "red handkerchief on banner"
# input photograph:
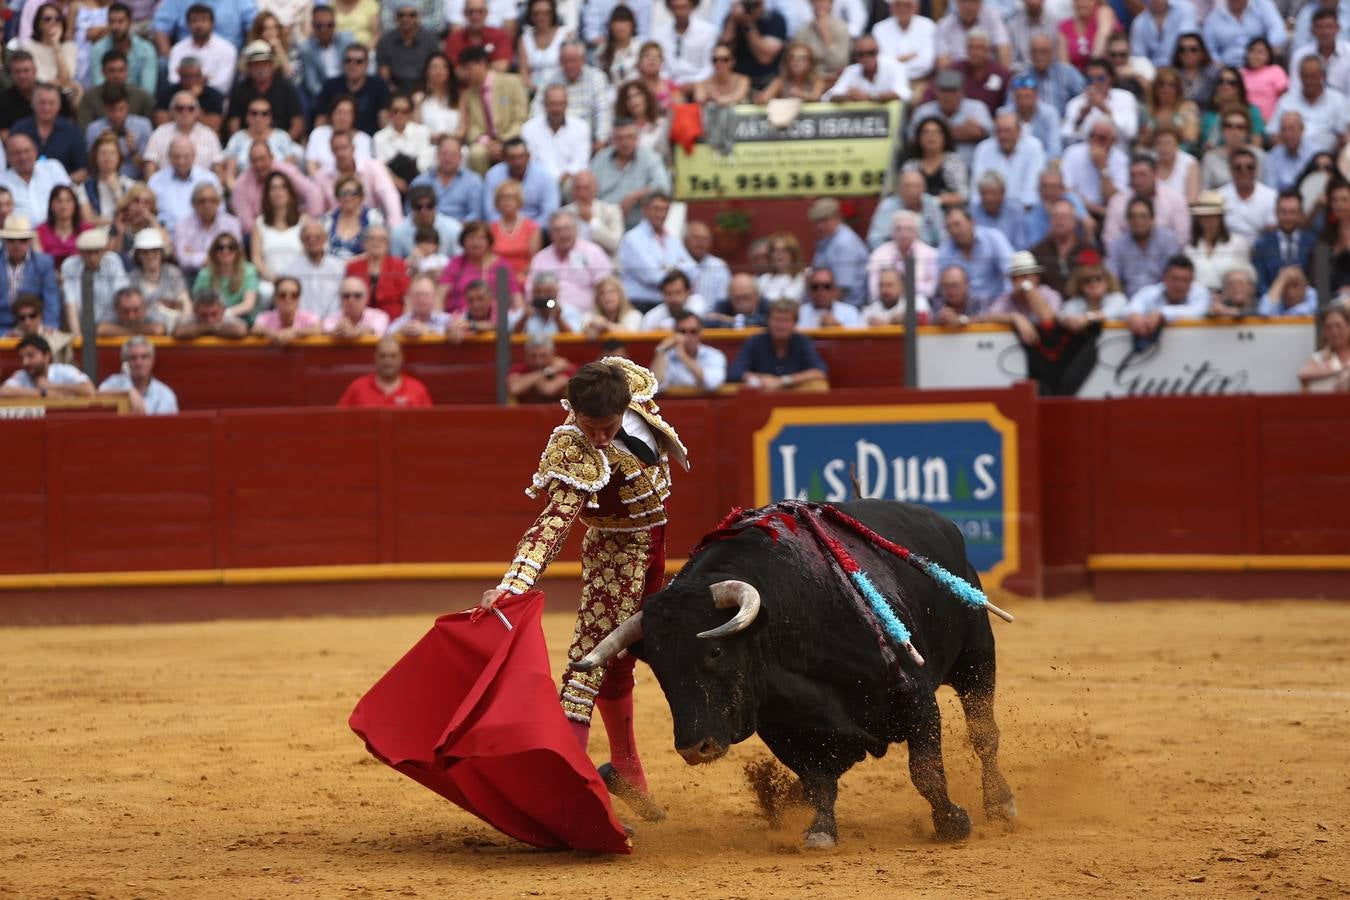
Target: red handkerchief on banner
(471, 712)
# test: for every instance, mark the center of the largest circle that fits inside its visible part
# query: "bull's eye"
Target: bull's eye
(714, 652)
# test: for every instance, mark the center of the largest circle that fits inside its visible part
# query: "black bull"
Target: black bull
(807, 673)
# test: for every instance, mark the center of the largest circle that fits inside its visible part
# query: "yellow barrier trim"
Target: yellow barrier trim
(1215, 562)
(471, 571)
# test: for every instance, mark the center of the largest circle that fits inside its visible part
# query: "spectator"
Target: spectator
(1328, 370)
(800, 78)
(1327, 46)
(823, 308)
(210, 102)
(711, 276)
(140, 62)
(648, 252)
(63, 140)
(369, 93)
(1138, 257)
(756, 35)
(136, 212)
(1176, 169)
(588, 92)
(477, 262)
(346, 225)
(217, 53)
(539, 188)
(1034, 116)
(909, 195)
(984, 255)
(205, 145)
(725, 86)
(129, 133)
(651, 74)
(826, 35)
(909, 39)
(1213, 250)
(985, 80)
(1051, 191)
(421, 318)
(426, 256)
(386, 275)
(319, 274)
(1056, 82)
(1286, 161)
(355, 317)
(1230, 96)
(1058, 253)
(57, 235)
(540, 42)
(176, 185)
(422, 203)
(232, 21)
(1249, 206)
(516, 238)
(677, 297)
(267, 28)
(779, 358)
(1290, 295)
(1016, 157)
(459, 191)
(494, 107)
(319, 154)
(870, 79)
(617, 55)
(1324, 111)
(321, 54)
(1263, 80)
(161, 283)
(30, 180)
(1100, 102)
(743, 307)
(1302, 33)
(286, 321)
(16, 101)
(627, 174)
(839, 249)
(259, 129)
(1170, 208)
(579, 265)
(559, 142)
(495, 43)
(966, 122)
(1176, 297)
(637, 102)
(1167, 107)
(262, 80)
(1083, 35)
(598, 221)
(888, 302)
(26, 271)
(1154, 32)
(1029, 304)
(612, 310)
(38, 376)
(890, 256)
(953, 303)
(109, 276)
(436, 103)
(683, 361)
(209, 318)
(403, 52)
(27, 312)
(1094, 295)
(276, 230)
(994, 210)
(377, 187)
(1286, 245)
(1232, 24)
(542, 376)
(51, 49)
(149, 396)
(130, 314)
(1093, 169)
(114, 75)
(545, 316)
(388, 386)
(954, 28)
(1238, 295)
(228, 275)
(687, 43)
(195, 232)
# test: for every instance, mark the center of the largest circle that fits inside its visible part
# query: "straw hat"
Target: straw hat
(1024, 263)
(17, 228)
(93, 239)
(1207, 203)
(148, 239)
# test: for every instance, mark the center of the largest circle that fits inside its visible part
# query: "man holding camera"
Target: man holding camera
(758, 36)
(545, 316)
(542, 377)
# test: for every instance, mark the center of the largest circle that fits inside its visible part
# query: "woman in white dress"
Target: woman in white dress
(1177, 169)
(55, 57)
(404, 146)
(785, 279)
(276, 232)
(540, 42)
(341, 118)
(436, 105)
(1213, 250)
(1328, 370)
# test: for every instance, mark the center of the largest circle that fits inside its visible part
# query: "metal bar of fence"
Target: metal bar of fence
(503, 333)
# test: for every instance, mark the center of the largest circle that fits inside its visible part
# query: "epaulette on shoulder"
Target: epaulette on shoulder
(569, 457)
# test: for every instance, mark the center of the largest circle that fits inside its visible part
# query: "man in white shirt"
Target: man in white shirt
(684, 361)
(712, 276)
(219, 57)
(598, 220)
(1017, 157)
(687, 44)
(173, 186)
(186, 114)
(38, 376)
(677, 298)
(500, 14)
(823, 308)
(1178, 296)
(318, 273)
(908, 38)
(355, 317)
(1096, 168)
(110, 276)
(559, 142)
(1248, 205)
(1324, 111)
(648, 253)
(888, 303)
(871, 79)
(1101, 101)
(1327, 46)
(30, 180)
(1170, 209)
(149, 395)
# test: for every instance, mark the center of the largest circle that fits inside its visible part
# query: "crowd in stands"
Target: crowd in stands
(281, 168)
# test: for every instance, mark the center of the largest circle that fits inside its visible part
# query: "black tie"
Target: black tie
(1289, 255)
(638, 447)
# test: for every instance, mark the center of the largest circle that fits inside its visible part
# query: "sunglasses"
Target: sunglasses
(45, 19)
(1229, 82)
(424, 206)
(183, 107)
(863, 53)
(355, 60)
(23, 317)
(1243, 167)
(259, 112)
(344, 194)
(1242, 125)
(718, 59)
(227, 247)
(406, 14)
(821, 286)
(1092, 279)
(287, 295)
(687, 330)
(1189, 48)
(348, 294)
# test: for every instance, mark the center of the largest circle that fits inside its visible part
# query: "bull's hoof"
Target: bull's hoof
(819, 840)
(1006, 811)
(952, 825)
(642, 804)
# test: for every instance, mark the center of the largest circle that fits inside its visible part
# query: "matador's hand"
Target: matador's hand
(491, 597)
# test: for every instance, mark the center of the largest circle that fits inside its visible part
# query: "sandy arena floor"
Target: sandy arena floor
(1185, 749)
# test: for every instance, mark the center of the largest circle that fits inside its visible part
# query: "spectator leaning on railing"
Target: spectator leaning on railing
(38, 376)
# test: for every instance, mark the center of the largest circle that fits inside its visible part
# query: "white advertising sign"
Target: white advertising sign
(1187, 360)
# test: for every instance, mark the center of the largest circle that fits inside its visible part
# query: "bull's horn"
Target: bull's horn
(737, 594)
(618, 640)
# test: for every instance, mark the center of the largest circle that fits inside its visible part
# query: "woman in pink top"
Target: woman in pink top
(515, 237)
(286, 321)
(476, 263)
(1264, 81)
(1083, 35)
(57, 235)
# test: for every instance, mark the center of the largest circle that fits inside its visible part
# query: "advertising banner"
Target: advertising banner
(958, 458)
(1202, 359)
(834, 149)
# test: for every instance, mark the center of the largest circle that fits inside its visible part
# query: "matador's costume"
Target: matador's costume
(622, 502)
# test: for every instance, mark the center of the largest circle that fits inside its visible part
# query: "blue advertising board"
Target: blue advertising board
(958, 458)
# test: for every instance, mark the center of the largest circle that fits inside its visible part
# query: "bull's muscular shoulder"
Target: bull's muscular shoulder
(569, 458)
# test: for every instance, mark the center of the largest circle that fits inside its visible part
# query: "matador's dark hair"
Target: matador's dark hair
(599, 390)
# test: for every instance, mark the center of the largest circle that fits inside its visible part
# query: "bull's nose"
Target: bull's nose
(705, 751)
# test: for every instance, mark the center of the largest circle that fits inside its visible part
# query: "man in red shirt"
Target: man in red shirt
(387, 386)
(542, 377)
(478, 33)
